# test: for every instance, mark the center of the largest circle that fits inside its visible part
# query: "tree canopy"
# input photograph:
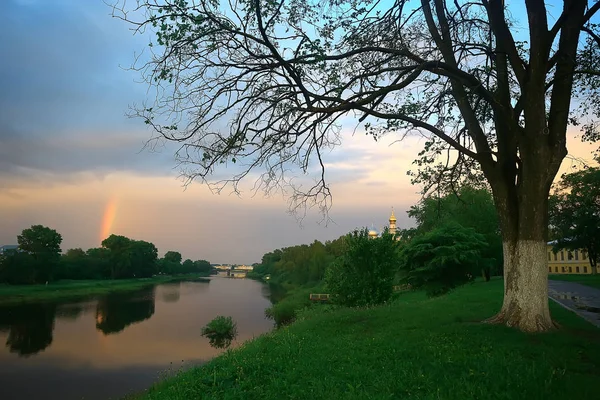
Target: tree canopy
(470, 208)
(266, 85)
(575, 213)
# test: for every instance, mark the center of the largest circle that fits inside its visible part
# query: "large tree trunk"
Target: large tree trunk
(525, 303)
(522, 206)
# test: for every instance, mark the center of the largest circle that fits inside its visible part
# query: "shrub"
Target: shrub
(364, 274)
(442, 259)
(220, 332)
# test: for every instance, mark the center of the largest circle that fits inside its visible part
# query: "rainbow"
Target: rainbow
(108, 219)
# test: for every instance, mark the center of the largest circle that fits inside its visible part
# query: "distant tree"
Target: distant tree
(18, 268)
(443, 258)
(364, 274)
(471, 208)
(120, 262)
(202, 266)
(187, 266)
(575, 213)
(143, 258)
(99, 261)
(173, 256)
(74, 264)
(43, 244)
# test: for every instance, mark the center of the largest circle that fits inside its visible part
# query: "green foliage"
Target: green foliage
(299, 265)
(442, 259)
(131, 258)
(364, 274)
(38, 260)
(471, 208)
(221, 331)
(575, 213)
(286, 307)
(43, 245)
(173, 256)
(414, 347)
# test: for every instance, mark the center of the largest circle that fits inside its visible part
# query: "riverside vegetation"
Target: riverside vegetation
(428, 341)
(413, 346)
(38, 270)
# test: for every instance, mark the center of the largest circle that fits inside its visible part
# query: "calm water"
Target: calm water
(107, 347)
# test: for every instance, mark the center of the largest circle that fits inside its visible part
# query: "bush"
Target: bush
(220, 332)
(285, 309)
(364, 274)
(442, 259)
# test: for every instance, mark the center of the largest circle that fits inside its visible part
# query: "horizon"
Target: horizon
(71, 160)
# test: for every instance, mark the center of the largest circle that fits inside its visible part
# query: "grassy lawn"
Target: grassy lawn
(589, 280)
(414, 347)
(14, 294)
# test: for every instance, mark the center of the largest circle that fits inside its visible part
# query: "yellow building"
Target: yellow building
(568, 261)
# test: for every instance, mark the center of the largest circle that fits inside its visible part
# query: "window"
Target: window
(549, 259)
(563, 269)
(576, 254)
(570, 269)
(583, 255)
(555, 255)
(577, 269)
(555, 269)
(585, 270)
(569, 255)
(562, 255)
(549, 269)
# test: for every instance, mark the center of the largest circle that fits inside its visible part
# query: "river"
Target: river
(112, 345)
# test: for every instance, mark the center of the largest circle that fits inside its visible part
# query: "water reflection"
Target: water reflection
(106, 347)
(117, 311)
(29, 327)
(171, 292)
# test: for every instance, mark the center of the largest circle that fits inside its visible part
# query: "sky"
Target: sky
(70, 159)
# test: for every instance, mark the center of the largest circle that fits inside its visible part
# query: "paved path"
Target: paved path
(581, 299)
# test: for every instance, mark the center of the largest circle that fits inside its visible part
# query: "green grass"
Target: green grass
(67, 289)
(589, 280)
(414, 347)
(295, 299)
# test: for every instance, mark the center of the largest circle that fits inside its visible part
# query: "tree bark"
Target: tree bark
(522, 206)
(525, 303)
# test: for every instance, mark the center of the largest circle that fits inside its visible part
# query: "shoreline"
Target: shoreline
(72, 289)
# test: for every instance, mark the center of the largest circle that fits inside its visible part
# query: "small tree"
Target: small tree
(443, 258)
(575, 213)
(364, 274)
(220, 332)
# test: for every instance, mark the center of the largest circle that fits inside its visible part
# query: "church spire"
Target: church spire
(392, 223)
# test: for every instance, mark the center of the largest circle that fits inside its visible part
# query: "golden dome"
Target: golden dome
(392, 217)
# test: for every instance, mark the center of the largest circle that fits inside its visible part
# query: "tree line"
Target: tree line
(38, 259)
(456, 239)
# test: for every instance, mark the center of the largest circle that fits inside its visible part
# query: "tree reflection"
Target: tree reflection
(29, 327)
(170, 292)
(117, 311)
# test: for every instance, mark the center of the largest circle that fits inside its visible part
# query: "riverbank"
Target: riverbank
(412, 347)
(67, 289)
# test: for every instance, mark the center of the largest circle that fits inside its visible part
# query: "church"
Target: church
(373, 234)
